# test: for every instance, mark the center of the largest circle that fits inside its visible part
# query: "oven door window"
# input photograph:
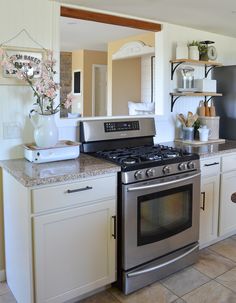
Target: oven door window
(164, 214)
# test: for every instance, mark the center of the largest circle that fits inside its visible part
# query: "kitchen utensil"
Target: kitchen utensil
(181, 118)
(191, 120)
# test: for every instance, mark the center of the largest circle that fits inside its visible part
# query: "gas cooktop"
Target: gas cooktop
(132, 158)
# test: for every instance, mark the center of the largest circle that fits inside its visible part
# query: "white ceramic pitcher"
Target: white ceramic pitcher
(45, 129)
(204, 133)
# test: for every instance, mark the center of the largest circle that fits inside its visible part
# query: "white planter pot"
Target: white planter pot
(193, 53)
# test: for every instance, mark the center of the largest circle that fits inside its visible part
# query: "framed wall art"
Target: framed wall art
(27, 58)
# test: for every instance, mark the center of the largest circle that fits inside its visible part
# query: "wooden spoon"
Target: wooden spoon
(182, 119)
(192, 120)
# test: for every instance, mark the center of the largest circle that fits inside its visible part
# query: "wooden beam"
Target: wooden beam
(109, 19)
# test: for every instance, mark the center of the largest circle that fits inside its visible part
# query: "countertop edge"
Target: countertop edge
(18, 167)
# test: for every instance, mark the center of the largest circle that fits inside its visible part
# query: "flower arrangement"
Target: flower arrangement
(41, 81)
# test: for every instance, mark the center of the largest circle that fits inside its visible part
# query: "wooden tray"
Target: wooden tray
(197, 142)
(62, 143)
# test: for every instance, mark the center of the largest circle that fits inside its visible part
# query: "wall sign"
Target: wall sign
(26, 58)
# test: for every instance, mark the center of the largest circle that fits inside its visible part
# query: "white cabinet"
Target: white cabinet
(74, 251)
(210, 182)
(227, 222)
(60, 240)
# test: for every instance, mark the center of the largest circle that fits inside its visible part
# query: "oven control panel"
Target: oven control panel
(120, 126)
(160, 171)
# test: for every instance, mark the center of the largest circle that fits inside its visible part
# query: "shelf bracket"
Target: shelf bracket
(208, 69)
(173, 68)
(173, 100)
(208, 99)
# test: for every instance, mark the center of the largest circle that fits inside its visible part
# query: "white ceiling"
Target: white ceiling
(78, 34)
(215, 16)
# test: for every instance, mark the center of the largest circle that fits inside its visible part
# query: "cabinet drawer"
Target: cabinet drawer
(210, 166)
(229, 162)
(73, 194)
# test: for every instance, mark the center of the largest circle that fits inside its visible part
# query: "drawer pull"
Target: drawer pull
(114, 228)
(71, 191)
(233, 197)
(204, 200)
(211, 164)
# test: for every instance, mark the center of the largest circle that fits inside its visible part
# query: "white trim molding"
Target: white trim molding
(133, 49)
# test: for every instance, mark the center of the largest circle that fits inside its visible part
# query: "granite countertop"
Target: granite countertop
(207, 150)
(31, 174)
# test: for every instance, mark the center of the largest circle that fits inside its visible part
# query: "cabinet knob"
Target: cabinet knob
(233, 197)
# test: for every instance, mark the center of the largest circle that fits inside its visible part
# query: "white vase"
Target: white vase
(193, 53)
(45, 130)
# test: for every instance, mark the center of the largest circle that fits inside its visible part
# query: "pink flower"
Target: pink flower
(68, 102)
(44, 87)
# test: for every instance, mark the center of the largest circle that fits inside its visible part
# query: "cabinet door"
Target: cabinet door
(228, 203)
(209, 209)
(74, 251)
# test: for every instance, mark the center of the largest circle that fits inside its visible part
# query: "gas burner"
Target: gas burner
(152, 157)
(129, 161)
(172, 155)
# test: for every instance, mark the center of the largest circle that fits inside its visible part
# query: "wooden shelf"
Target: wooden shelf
(196, 94)
(209, 65)
(176, 96)
(198, 62)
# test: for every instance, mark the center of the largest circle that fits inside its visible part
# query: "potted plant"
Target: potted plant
(203, 51)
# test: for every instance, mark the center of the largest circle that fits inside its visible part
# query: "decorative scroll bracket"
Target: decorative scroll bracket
(133, 49)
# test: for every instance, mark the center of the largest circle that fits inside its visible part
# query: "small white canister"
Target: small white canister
(193, 52)
(181, 50)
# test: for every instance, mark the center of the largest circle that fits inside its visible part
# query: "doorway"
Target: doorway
(99, 90)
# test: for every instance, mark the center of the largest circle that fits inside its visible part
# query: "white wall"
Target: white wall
(37, 17)
(166, 43)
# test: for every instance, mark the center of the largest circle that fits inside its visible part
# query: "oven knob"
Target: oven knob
(166, 170)
(191, 165)
(138, 175)
(182, 166)
(150, 172)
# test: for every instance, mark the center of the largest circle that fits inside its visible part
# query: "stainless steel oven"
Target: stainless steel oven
(158, 199)
(159, 216)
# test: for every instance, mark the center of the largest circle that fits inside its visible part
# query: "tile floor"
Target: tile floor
(211, 280)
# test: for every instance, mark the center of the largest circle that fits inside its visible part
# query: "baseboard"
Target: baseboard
(2, 275)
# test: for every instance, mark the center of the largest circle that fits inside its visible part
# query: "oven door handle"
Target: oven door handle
(162, 184)
(144, 271)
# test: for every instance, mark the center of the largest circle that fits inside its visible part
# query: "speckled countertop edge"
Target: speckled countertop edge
(207, 150)
(31, 174)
